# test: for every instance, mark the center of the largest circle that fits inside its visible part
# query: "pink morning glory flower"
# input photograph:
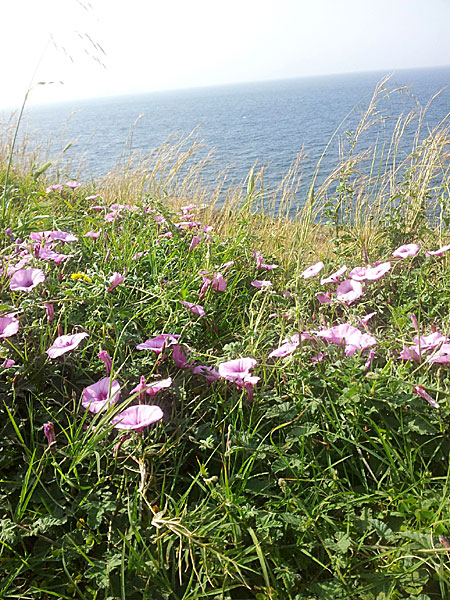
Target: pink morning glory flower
(237, 370)
(9, 326)
(101, 395)
(55, 236)
(187, 209)
(73, 185)
(261, 285)
(56, 187)
(8, 363)
(49, 432)
(324, 298)
(46, 253)
(93, 234)
(334, 277)
(441, 355)
(407, 250)
(115, 280)
(261, 262)
(159, 343)
(426, 343)
(370, 273)
(24, 280)
(195, 309)
(289, 345)
(348, 291)
(442, 250)
(421, 391)
(153, 388)
(366, 318)
(358, 273)
(50, 311)
(312, 271)
(208, 373)
(180, 357)
(218, 283)
(195, 242)
(284, 350)
(65, 343)
(352, 337)
(107, 360)
(137, 417)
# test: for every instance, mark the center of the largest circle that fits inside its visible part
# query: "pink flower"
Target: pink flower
(227, 265)
(414, 321)
(8, 363)
(195, 309)
(442, 250)
(158, 343)
(24, 280)
(218, 283)
(50, 311)
(73, 185)
(55, 187)
(115, 280)
(324, 298)
(18, 266)
(334, 277)
(65, 343)
(370, 358)
(421, 391)
(376, 272)
(425, 343)
(352, 338)
(348, 291)
(93, 234)
(101, 395)
(195, 242)
(289, 345)
(154, 388)
(179, 357)
(284, 350)
(208, 373)
(55, 236)
(49, 432)
(107, 360)
(405, 251)
(237, 370)
(93, 197)
(46, 253)
(261, 262)
(441, 355)
(137, 417)
(312, 271)
(9, 326)
(186, 209)
(358, 273)
(261, 285)
(366, 318)
(370, 273)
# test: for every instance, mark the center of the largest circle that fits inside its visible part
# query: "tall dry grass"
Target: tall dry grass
(369, 189)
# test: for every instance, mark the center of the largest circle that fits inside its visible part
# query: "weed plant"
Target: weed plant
(319, 471)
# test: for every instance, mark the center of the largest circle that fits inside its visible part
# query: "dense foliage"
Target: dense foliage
(318, 469)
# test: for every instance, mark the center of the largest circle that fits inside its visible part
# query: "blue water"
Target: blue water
(267, 123)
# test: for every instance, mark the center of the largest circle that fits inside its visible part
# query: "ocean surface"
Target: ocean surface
(265, 123)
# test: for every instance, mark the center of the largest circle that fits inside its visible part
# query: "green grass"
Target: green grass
(332, 483)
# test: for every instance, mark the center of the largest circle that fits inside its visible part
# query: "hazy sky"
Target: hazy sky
(166, 44)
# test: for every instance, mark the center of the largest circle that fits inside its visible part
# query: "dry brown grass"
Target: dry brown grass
(358, 196)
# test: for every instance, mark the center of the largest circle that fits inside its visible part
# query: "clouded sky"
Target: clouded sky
(108, 47)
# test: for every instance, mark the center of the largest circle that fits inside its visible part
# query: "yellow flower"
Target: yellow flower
(81, 276)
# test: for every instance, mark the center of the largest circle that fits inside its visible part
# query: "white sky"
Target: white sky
(168, 44)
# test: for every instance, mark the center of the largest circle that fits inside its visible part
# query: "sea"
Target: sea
(243, 125)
